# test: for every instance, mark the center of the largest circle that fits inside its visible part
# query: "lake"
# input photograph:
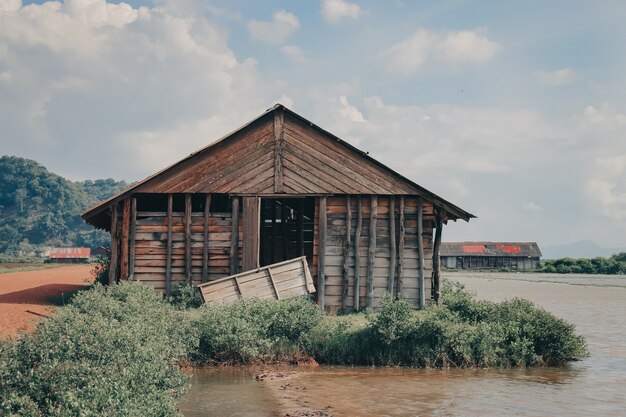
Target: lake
(593, 386)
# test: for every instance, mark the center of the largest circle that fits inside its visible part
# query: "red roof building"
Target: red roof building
(490, 255)
(69, 255)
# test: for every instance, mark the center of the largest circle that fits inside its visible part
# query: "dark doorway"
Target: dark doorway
(286, 229)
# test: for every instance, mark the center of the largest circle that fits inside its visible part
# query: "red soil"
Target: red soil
(27, 296)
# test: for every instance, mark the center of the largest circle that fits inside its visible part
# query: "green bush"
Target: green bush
(255, 330)
(185, 296)
(114, 351)
(616, 264)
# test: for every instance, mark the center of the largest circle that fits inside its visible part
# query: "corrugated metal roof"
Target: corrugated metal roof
(490, 249)
(70, 253)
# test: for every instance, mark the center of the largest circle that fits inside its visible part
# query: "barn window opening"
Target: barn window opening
(286, 229)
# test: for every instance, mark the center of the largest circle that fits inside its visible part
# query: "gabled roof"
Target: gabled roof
(70, 253)
(279, 152)
(526, 249)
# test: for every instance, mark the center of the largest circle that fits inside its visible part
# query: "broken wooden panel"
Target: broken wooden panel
(277, 281)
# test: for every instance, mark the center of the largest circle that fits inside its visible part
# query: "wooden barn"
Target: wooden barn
(69, 255)
(277, 188)
(490, 255)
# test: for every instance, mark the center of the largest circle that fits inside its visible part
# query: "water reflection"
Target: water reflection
(594, 386)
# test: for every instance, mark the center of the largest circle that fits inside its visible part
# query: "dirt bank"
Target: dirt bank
(26, 296)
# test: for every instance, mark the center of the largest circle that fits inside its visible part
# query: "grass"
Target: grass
(119, 350)
(6, 268)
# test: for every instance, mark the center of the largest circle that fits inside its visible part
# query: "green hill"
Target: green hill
(39, 208)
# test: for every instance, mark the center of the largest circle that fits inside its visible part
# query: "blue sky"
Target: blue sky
(515, 111)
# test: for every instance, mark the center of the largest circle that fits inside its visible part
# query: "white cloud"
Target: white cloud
(91, 77)
(283, 24)
(530, 206)
(10, 5)
(293, 52)
(451, 48)
(604, 117)
(335, 10)
(611, 200)
(349, 112)
(556, 78)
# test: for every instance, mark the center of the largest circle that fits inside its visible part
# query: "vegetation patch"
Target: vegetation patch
(614, 265)
(119, 350)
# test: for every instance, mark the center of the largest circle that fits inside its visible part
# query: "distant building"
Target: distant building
(490, 255)
(69, 255)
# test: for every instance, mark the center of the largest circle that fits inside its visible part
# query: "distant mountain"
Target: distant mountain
(580, 249)
(39, 208)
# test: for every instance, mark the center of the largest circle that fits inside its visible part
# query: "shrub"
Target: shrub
(100, 271)
(114, 351)
(185, 296)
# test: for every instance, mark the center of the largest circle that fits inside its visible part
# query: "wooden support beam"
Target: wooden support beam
(321, 271)
(168, 253)
(284, 234)
(133, 232)
(269, 272)
(345, 275)
(274, 232)
(392, 245)
(401, 249)
(357, 256)
(205, 240)
(279, 139)
(188, 238)
(300, 227)
(436, 263)
(371, 252)
(124, 233)
(251, 224)
(234, 237)
(420, 251)
(114, 247)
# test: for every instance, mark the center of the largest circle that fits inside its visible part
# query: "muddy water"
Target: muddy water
(595, 386)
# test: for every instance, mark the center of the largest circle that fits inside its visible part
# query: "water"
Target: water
(595, 386)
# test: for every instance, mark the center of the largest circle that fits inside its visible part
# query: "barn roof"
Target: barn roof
(528, 249)
(279, 152)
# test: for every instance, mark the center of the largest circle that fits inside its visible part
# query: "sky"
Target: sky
(514, 111)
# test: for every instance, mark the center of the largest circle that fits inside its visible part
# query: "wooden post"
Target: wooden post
(420, 251)
(436, 263)
(251, 225)
(234, 237)
(284, 233)
(300, 227)
(357, 256)
(279, 129)
(205, 247)
(346, 256)
(133, 232)
(124, 239)
(188, 237)
(114, 247)
(168, 254)
(371, 253)
(401, 250)
(274, 231)
(321, 272)
(392, 244)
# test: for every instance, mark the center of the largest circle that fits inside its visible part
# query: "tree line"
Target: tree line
(613, 265)
(39, 208)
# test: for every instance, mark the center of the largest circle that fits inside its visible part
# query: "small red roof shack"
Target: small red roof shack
(69, 255)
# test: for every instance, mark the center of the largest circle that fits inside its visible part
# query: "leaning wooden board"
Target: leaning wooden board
(278, 281)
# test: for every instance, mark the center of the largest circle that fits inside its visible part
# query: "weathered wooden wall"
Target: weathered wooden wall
(151, 247)
(335, 251)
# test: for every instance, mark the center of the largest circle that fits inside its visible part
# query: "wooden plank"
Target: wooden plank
(401, 249)
(357, 256)
(279, 130)
(371, 254)
(188, 237)
(269, 272)
(124, 239)
(436, 265)
(392, 244)
(346, 258)
(168, 255)
(234, 237)
(321, 278)
(114, 246)
(133, 232)
(205, 249)
(251, 229)
(420, 252)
